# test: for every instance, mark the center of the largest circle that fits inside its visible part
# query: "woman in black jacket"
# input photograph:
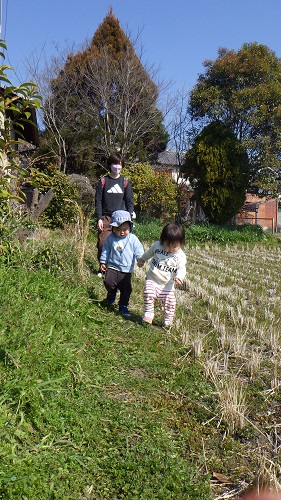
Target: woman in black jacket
(113, 192)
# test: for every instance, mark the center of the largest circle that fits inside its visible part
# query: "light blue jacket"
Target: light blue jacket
(121, 253)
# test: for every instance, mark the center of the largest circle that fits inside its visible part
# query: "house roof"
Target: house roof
(251, 206)
(170, 158)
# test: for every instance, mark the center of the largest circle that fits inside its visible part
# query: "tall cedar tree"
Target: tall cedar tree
(218, 169)
(106, 101)
(243, 90)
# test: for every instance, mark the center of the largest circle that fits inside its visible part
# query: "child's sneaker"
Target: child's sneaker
(167, 325)
(124, 311)
(111, 298)
(146, 321)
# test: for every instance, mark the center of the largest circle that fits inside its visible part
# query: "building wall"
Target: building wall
(265, 215)
(269, 210)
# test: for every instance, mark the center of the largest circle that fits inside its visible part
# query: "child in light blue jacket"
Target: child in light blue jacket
(119, 253)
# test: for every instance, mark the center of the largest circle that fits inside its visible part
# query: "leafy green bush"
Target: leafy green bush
(155, 193)
(16, 104)
(62, 209)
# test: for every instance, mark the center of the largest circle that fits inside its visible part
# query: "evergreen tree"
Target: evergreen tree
(104, 101)
(218, 169)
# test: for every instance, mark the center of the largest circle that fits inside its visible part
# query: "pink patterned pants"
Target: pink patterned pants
(154, 291)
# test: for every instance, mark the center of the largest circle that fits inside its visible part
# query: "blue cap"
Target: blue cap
(119, 217)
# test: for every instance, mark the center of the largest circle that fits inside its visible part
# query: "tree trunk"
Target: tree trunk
(43, 203)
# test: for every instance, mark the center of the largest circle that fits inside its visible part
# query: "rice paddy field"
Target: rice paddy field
(228, 321)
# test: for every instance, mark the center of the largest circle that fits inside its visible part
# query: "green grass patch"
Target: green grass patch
(93, 406)
(149, 229)
(89, 401)
(230, 234)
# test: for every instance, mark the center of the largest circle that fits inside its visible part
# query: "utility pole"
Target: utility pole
(0, 19)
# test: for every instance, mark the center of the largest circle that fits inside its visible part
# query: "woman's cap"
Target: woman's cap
(120, 216)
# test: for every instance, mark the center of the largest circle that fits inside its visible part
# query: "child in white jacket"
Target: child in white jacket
(167, 268)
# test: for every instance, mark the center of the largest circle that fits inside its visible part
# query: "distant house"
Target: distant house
(169, 162)
(262, 211)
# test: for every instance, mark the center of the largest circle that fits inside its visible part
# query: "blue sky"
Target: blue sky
(176, 35)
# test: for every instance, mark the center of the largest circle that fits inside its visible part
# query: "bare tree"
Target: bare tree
(47, 114)
(124, 104)
(181, 133)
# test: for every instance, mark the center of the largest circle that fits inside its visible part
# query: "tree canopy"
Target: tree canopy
(218, 169)
(104, 100)
(243, 90)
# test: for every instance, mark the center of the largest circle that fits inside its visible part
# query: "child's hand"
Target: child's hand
(178, 281)
(140, 262)
(103, 268)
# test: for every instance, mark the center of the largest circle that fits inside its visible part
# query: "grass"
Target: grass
(93, 406)
(82, 412)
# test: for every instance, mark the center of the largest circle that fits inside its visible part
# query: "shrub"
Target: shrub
(16, 104)
(86, 193)
(218, 169)
(62, 209)
(155, 193)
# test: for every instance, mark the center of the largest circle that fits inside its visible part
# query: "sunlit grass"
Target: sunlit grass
(94, 406)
